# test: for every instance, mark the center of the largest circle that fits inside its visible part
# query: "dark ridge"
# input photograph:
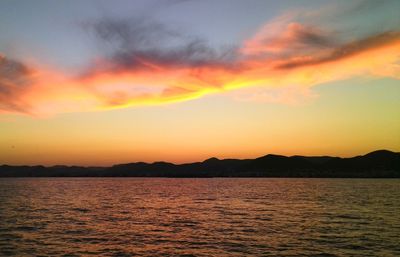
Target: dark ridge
(211, 160)
(377, 164)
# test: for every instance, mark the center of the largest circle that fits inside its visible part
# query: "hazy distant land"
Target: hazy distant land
(377, 164)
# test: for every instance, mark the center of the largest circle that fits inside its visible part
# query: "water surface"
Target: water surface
(199, 217)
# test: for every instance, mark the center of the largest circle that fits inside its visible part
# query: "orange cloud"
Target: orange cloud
(283, 54)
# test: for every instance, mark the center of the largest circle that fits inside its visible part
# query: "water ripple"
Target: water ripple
(199, 217)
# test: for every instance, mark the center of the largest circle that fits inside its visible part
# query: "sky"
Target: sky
(105, 82)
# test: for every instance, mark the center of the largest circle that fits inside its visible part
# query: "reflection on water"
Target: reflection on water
(199, 217)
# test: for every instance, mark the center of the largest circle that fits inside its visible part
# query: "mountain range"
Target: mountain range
(377, 164)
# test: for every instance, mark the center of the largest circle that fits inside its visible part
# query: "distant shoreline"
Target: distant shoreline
(377, 164)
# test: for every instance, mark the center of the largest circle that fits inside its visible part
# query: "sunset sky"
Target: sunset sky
(104, 82)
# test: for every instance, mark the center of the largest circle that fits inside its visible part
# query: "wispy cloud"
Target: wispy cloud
(344, 51)
(134, 44)
(14, 80)
(147, 63)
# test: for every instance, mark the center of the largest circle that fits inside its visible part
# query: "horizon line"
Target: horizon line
(177, 164)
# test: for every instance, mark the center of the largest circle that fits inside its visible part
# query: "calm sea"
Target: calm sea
(199, 217)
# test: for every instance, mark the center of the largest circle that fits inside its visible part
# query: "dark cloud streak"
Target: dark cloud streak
(132, 44)
(346, 50)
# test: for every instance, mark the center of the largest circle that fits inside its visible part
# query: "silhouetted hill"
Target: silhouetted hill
(377, 164)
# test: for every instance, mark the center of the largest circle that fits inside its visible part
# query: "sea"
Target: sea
(199, 217)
